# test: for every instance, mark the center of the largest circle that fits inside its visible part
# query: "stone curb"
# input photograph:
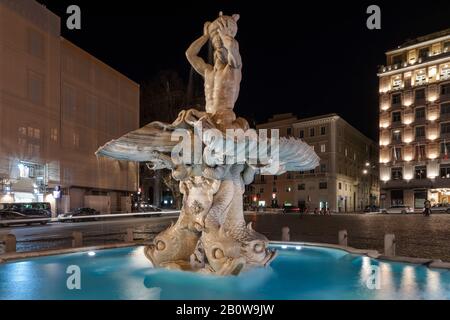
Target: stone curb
(35, 254)
(374, 254)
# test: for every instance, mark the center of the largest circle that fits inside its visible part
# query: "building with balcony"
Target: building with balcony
(346, 179)
(415, 122)
(58, 104)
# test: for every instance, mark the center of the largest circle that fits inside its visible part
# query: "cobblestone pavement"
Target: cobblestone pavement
(416, 235)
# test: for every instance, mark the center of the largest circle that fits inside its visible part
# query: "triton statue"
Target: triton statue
(211, 235)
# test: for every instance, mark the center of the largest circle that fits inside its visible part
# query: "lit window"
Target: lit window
(54, 134)
(322, 148)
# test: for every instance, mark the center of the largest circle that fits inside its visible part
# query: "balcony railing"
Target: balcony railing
(399, 66)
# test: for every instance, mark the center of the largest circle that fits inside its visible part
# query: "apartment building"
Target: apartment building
(346, 179)
(415, 122)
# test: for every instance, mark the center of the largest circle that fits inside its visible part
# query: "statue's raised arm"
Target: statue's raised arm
(226, 31)
(192, 52)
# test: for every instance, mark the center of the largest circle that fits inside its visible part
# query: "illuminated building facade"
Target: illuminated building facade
(415, 122)
(58, 104)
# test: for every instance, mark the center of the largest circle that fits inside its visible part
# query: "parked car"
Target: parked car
(372, 209)
(77, 213)
(398, 209)
(291, 209)
(441, 208)
(16, 213)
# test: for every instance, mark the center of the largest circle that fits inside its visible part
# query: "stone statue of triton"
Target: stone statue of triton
(211, 235)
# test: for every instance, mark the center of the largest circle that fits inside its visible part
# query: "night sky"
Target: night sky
(306, 59)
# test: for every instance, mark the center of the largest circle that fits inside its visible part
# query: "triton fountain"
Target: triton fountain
(219, 155)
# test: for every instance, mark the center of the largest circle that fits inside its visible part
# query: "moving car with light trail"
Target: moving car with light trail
(398, 209)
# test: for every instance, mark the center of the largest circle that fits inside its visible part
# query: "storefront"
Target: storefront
(441, 195)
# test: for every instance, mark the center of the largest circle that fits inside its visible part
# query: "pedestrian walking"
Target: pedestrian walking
(427, 208)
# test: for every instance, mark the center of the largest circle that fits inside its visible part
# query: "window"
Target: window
(23, 131)
(420, 94)
(36, 43)
(445, 148)
(274, 189)
(396, 116)
(340, 185)
(420, 172)
(420, 132)
(76, 140)
(444, 172)
(322, 148)
(397, 173)
(322, 131)
(312, 171)
(301, 186)
(311, 132)
(423, 53)
(420, 152)
(397, 154)
(419, 113)
(323, 167)
(289, 131)
(445, 128)
(69, 102)
(398, 59)
(446, 46)
(261, 190)
(289, 175)
(54, 134)
(445, 109)
(322, 185)
(301, 134)
(275, 177)
(262, 178)
(445, 72)
(346, 152)
(445, 89)
(396, 99)
(35, 88)
(396, 136)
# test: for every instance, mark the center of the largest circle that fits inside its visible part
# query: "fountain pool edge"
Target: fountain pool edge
(374, 254)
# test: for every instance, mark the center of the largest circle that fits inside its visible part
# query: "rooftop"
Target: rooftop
(425, 38)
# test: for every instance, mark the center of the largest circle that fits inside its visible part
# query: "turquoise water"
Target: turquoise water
(297, 273)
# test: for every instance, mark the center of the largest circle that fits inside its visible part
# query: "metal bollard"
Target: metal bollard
(285, 236)
(343, 238)
(77, 239)
(10, 243)
(129, 237)
(389, 245)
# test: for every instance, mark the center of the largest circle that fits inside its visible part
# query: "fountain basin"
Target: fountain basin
(298, 272)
